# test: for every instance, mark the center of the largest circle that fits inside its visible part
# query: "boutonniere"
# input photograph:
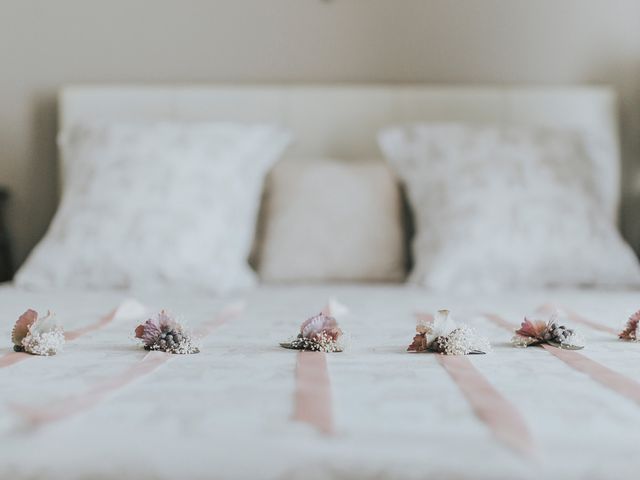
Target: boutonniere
(630, 331)
(163, 333)
(37, 335)
(551, 332)
(440, 334)
(321, 332)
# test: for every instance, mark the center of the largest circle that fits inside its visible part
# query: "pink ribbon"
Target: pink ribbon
(313, 391)
(226, 314)
(500, 322)
(489, 405)
(615, 381)
(504, 420)
(74, 404)
(312, 398)
(12, 358)
(79, 332)
(577, 318)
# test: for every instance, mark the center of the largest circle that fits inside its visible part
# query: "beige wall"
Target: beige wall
(48, 43)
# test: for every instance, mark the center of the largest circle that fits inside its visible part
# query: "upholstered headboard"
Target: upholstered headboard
(342, 120)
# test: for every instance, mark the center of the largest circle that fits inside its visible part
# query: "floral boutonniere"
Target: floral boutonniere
(163, 333)
(630, 331)
(551, 332)
(37, 335)
(440, 334)
(321, 332)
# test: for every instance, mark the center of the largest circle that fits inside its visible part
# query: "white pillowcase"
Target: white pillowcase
(507, 207)
(332, 220)
(155, 206)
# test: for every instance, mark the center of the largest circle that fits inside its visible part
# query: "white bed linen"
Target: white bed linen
(225, 413)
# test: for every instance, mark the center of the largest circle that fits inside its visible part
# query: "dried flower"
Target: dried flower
(630, 331)
(319, 333)
(320, 326)
(533, 329)
(419, 343)
(535, 332)
(441, 335)
(163, 333)
(37, 336)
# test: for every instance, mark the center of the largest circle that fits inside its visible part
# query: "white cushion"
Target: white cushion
(507, 207)
(332, 220)
(156, 205)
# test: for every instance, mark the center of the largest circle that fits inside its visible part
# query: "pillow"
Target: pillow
(331, 220)
(502, 207)
(156, 205)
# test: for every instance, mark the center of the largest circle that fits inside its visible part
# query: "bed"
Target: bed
(246, 408)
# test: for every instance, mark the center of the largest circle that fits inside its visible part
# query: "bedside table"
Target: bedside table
(6, 264)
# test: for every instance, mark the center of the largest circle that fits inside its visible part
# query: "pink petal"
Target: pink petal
(148, 331)
(629, 332)
(21, 328)
(533, 329)
(312, 325)
(139, 331)
(151, 332)
(319, 325)
(419, 343)
(165, 321)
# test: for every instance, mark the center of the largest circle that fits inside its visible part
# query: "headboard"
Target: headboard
(342, 120)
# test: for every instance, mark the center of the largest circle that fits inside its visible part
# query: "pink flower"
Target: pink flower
(419, 343)
(315, 328)
(151, 330)
(21, 328)
(37, 335)
(533, 329)
(630, 331)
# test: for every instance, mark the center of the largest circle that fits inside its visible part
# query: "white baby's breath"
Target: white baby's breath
(44, 343)
(324, 344)
(463, 341)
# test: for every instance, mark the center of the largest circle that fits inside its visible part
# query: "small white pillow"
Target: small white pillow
(155, 206)
(332, 220)
(499, 208)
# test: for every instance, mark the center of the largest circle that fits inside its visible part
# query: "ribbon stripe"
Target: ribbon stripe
(313, 391)
(625, 386)
(228, 313)
(489, 405)
(79, 332)
(11, 358)
(621, 384)
(312, 397)
(577, 318)
(495, 411)
(74, 404)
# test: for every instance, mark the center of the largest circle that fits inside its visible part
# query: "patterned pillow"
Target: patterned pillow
(507, 207)
(156, 205)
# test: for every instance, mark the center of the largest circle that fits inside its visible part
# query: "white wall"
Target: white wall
(45, 44)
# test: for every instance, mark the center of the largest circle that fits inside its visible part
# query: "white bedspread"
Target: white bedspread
(226, 412)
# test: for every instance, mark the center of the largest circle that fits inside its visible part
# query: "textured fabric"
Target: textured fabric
(331, 220)
(227, 411)
(507, 207)
(156, 205)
